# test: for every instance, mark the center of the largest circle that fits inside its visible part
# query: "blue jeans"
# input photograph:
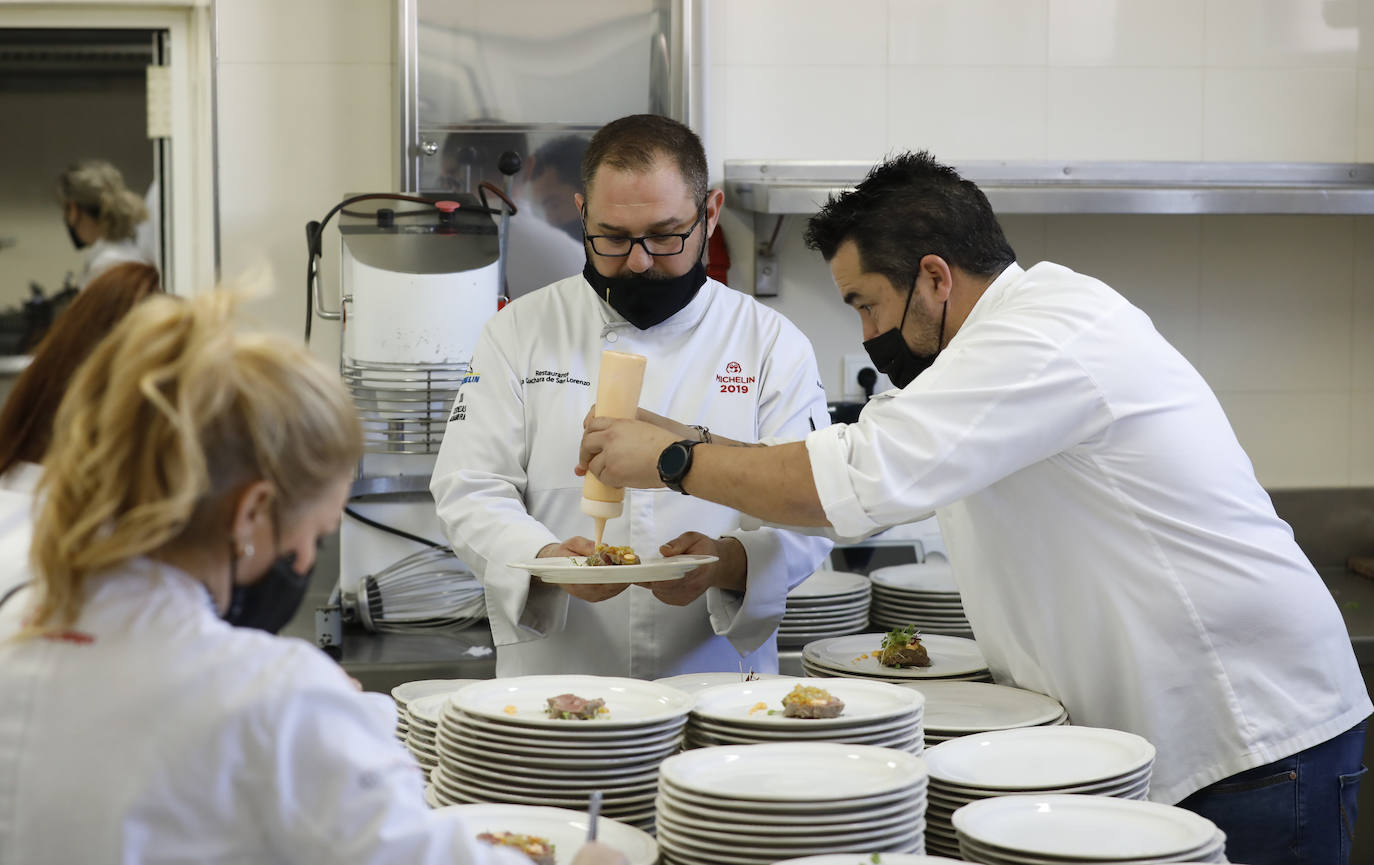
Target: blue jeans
(1296, 811)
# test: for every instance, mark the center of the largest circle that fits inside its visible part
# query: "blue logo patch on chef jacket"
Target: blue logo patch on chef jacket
(471, 378)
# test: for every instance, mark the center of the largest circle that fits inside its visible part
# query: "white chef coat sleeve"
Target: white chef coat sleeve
(791, 404)
(328, 783)
(479, 486)
(991, 404)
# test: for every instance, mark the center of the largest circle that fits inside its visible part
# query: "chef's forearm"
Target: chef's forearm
(774, 484)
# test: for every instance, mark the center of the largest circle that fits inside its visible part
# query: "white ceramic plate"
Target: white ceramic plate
(405, 692)
(573, 570)
(787, 772)
(1037, 758)
(830, 584)
(719, 853)
(478, 788)
(691, 683)
(1084, 827)
(993, 856)
(632, 702)
(949, 656)
(881, 859)
(975, 707)
(676, 801)
(865, 703)
(565, 829)
(887, 821)
(603, 735)
(929, 576)
(714, 843)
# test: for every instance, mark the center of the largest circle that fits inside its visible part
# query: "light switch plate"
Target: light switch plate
(853, 363)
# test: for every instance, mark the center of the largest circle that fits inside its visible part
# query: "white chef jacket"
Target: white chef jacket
(105, 254)
(16, 522)
(505, 487)
(153, 732)
(1112, 545)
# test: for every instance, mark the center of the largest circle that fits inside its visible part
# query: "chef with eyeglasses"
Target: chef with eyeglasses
(1111, 543)
(717, 359)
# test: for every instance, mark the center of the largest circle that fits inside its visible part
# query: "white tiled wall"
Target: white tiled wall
(1278, 313)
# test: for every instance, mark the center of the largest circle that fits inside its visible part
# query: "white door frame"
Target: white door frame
(193, 223)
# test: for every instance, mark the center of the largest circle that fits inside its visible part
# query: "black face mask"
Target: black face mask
(76, 238)
(894, 358)
(643, 300)
(272, 601)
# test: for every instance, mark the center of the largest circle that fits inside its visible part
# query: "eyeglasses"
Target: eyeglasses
(657, 245)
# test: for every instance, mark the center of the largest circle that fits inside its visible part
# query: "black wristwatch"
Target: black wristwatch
(674, 463)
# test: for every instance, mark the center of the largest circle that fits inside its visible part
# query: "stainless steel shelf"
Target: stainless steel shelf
(774, 189)
(781, 187)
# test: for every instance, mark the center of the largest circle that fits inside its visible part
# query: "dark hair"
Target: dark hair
(562, 156)
(26, 420)
(910, 206)
(637, 142)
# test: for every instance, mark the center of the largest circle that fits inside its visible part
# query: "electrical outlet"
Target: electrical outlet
(853, 363)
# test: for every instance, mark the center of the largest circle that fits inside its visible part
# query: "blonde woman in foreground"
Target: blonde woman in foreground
(149, 714)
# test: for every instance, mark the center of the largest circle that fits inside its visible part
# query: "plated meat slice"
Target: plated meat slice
(807, 701)
(608, 555)
(570, 707)
(902, 648)
(538, 849)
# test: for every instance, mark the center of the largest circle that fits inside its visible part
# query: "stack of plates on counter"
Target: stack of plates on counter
(408, 691)
(951, 659)
(496, 743)
(757, 804)
(694, 682)
(825, 604)
(874, 713)
(1089, 760)
(923, 595)
(955, 709)
(564, 829)
(422, 740)
(1031, 830)
(883, 859)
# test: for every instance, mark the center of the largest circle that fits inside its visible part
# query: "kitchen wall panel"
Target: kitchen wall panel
(1274, 312)
(1002, 110)
(1141, 33)
(1125, 113)
(1280, 115)
(804, 112)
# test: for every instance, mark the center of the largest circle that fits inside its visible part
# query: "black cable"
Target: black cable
(393, 530)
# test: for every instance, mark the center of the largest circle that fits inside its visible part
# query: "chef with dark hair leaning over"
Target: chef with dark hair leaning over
(1112, 545)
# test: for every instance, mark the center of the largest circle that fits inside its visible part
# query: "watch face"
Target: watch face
(673, 460)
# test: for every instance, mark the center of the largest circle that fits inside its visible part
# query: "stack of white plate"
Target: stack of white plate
(407, 691)
(882, 859)
(825, 604)
(923, 595)
(1039, 760)
(875, 713)
(955, 709)
(564, 829)
(496, 743)
(694, 682)
(1031, 830)
(951, 659)
(756, 804)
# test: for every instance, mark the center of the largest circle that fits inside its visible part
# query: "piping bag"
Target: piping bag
(617, 395)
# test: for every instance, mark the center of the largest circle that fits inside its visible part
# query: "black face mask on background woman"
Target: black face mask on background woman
(894, 358)
(271, 602)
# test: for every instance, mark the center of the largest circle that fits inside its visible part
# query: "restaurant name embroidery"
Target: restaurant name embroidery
(545, 375)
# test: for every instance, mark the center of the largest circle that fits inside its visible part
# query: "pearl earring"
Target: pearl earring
(246, 550)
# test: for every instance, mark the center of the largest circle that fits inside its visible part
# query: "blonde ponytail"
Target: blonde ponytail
(98, 188)
(171, 414)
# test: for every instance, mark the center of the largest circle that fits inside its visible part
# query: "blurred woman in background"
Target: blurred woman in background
(193, 472)
(26, 419)
(102, 216)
